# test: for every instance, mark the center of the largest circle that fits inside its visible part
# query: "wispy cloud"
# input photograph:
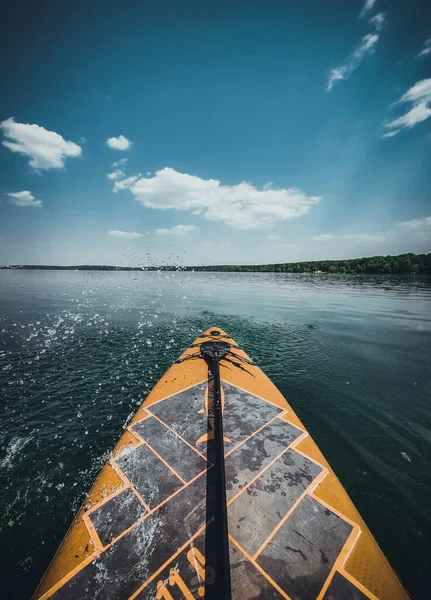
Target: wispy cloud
(176, 230)
(390, 134)
(124, 184)
(419, 98)
(420, 112)
(420, 91)
(116, 174)
(378, 20)
(351, 63)
(240, 206)
(323, 236)
(25, 198)
(368, 6)
(360, 237)
(125, 234)
(414, 229)
(274, 238)
(119, 143)
(119, 163)
(426, 49)
(46, 149)
(416, 224)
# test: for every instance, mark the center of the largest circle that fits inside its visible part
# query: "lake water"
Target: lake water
(80, 350)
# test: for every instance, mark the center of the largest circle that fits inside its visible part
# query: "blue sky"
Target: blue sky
(253, 131)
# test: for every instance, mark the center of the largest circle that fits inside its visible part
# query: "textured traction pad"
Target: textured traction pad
(284, 542)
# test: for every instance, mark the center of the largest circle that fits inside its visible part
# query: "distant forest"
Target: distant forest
(402, 264)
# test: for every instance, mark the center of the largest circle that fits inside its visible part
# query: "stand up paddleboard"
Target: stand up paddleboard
(217, 491)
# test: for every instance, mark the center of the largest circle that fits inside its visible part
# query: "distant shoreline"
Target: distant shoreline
(403, 264)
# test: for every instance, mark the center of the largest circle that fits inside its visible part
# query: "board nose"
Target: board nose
(215, 332)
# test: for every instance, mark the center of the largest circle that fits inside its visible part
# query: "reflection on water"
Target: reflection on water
(80, 350)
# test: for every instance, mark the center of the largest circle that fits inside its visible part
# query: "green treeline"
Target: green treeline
(402, 264)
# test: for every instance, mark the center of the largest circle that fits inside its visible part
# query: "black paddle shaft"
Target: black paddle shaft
(213, 352)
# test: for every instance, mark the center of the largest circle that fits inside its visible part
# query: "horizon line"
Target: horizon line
(198, 266)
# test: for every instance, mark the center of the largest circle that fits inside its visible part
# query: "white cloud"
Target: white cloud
(116, 174)
(420, 91)
(420, 112)
(241, 206)
(390, 134)
(366, 8)
(124, 184)
(323, 236)
(46, 149)
(426, 49)
(273, 238)
(407, 230)
(378, 20)
(176, 230)
(25, 199)
(125, 234)
(352, 62)
(119, 163)
(416, 223)
(119, 143)
(419, 96)
(360, 237)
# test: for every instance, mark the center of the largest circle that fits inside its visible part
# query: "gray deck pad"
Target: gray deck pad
(341, 588)
(185, 461)
(186, 572)
(183, 413)
(256, 512)
(301, 554)
(121, 569)
(157, 533)
(254, 454)
(116, 515)
(243, 414)
(150, 477)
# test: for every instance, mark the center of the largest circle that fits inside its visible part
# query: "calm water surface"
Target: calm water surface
(79, 351)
